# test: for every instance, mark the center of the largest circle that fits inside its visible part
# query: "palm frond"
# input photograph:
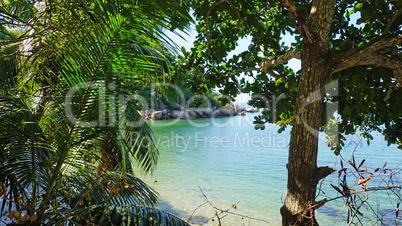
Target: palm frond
(23, 152)
(71, 137)
(127, 215)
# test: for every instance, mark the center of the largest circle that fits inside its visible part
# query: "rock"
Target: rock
(242, 113)
(192, 113)
(243, 109)
(252, 110)
(185, 115)
(149, 112)
(225, 112)
(165, 111)
(228, 107)
(161, 105)
(199, 112)
(208, 111)
(165, 117)
(176, 114)
(156, 115)
(178, 107)
(237, 108)
(180, 114)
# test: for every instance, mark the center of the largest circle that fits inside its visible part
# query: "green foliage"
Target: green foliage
(221, 24)
(69, 141)
(126, 215)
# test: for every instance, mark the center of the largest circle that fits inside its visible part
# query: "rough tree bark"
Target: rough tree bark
(303, 173)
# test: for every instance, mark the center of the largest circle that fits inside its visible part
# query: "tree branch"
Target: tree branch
(300, 21)
(221, 211)
(292, 53)
(386, 61)
(264, 66)
(353, 58)
(17, 53)
(323, 172)
(244, 70)
(391, 21)
(267, 70)
(381, 60)
(273, 74)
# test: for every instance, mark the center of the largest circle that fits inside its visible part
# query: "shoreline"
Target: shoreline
(229, 110)
(190, 205)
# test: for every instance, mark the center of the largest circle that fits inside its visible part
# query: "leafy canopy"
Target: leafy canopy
(367, 95)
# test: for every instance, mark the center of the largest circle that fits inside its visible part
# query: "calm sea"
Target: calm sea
(233, 166)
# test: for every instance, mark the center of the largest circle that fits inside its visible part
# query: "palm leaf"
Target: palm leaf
(92, 65)
(23, 151)
(127, 215)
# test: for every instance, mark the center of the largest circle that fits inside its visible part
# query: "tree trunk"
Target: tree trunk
(303, 173)
(302, 164)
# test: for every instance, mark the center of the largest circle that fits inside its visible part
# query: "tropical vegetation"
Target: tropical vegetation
(71, 139)
(351, 65)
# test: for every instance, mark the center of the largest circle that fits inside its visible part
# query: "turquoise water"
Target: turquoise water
(232, 163)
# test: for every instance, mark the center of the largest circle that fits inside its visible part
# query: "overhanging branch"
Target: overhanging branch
(381, 60)
(267, 70)
(292, 53)
(277, 60)
(273, 74)
(355, 58)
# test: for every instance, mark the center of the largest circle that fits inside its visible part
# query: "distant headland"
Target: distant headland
(180, 112)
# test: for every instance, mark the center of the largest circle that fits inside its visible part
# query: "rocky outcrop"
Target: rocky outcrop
(251, 110)
(208, 111)
(225, 112)
(156, 115)
(179, 113)
(199, 112)
(178, 107)
(192, 113)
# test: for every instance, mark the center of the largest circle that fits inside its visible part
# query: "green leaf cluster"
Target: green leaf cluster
(221, 24)
(70, 141)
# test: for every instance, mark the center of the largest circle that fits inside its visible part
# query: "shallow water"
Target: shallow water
(233, 164)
